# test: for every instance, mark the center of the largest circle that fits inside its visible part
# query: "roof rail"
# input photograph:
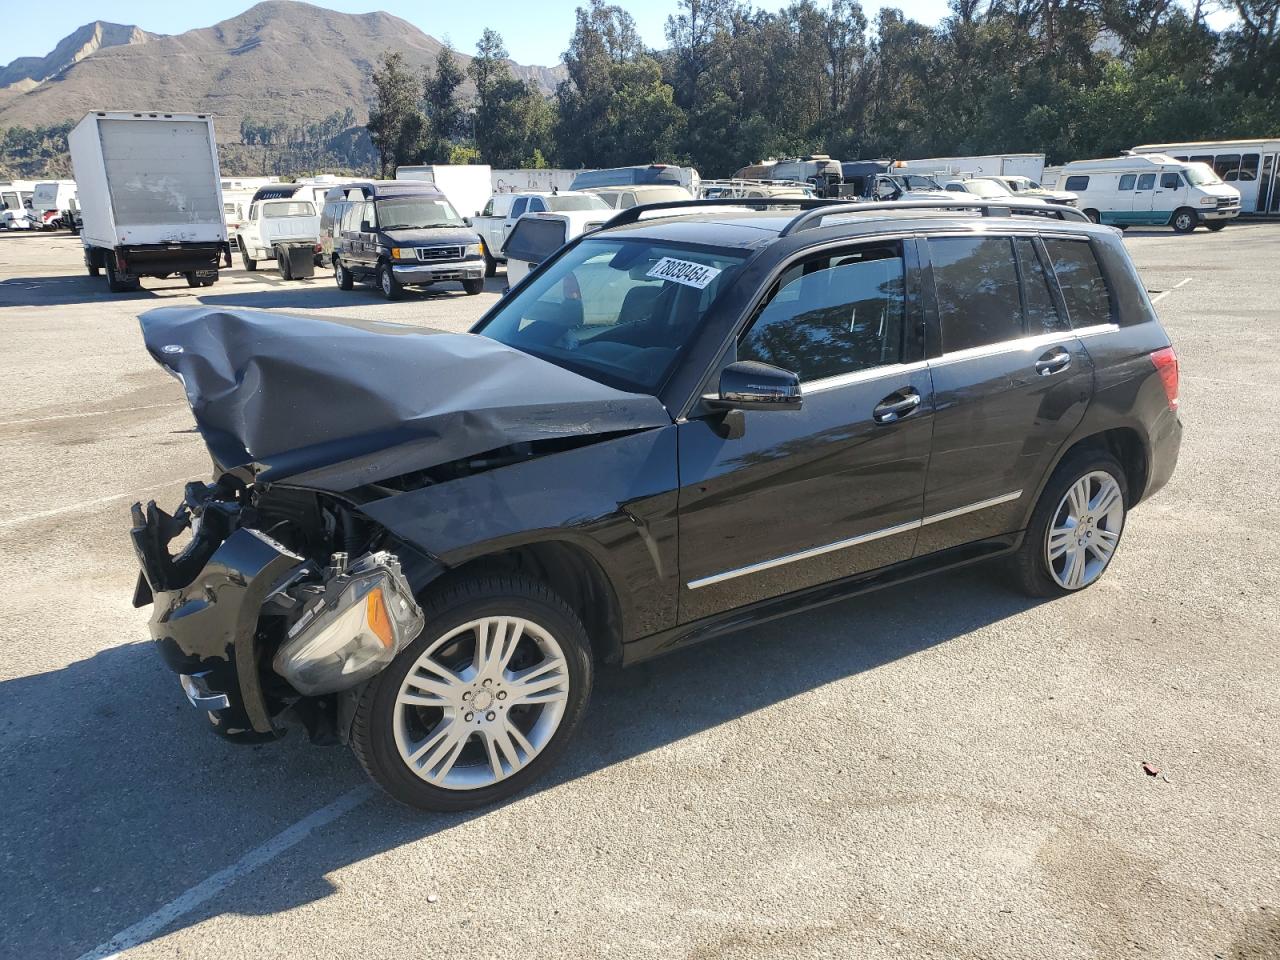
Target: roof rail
(987, 208)
(632, 214)
(814, 211)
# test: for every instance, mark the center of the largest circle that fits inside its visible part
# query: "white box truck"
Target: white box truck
(467, 186)
(1029, 165)
(150, 197)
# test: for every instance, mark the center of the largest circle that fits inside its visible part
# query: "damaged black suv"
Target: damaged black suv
(420, 543)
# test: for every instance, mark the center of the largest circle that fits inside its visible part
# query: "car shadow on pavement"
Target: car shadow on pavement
(117, 800)
(76, 288)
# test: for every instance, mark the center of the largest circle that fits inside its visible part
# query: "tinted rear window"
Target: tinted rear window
(1083, 286)
(1132, 305)
(1077, 183)
(533, 240)
(977, 285)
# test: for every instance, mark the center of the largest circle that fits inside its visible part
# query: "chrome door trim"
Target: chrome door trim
(804, 554)
(970, 508)
(852, 541)
(861, 376)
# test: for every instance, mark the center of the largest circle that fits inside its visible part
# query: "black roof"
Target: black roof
(377, 189)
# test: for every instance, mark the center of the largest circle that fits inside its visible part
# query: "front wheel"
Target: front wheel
(1093, 216)
(1184, 221)
(1075, 527)
(342, 276)
(490, 264)
(482, 703)
(388, 284)
(248, 261)
(1215, 225)
(473, 286)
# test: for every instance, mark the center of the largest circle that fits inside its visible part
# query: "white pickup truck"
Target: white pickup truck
(276, 222)
(504, 209)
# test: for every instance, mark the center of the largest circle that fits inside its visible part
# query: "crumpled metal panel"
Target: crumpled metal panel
(336, 403)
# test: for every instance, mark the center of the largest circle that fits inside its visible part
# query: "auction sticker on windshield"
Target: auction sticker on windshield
(683, 271)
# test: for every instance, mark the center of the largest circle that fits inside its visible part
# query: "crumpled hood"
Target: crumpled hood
(334, 404)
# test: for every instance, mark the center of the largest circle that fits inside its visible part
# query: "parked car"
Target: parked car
(755, 189)
(277, 222)
(1151, 190)
(905, 186)
(502, 211)
(398, 233)
(16, 198)
(1023, 187)
(422, 543)
(536, 236)
(987, 189)
(623, 198)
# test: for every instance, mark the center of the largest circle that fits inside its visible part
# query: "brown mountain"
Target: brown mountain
(26, 73)
(280, 61)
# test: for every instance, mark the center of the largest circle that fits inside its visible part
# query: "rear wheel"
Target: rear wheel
(1184, 220)
(1215, 225)
(1093, 215)
(282, 262)
(490, 264)
(92, 266)
(1075, 527)
(248, 261)
(482, 703)
(116, 283)
(473, 286)
(342, 276)
(388, 283)
(192, 279)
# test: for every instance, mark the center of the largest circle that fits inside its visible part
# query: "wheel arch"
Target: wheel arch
(1125, 442)
(573, 572)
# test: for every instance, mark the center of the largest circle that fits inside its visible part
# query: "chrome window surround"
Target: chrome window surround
(852, 541)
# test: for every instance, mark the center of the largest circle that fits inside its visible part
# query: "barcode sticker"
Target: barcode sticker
(686, 272)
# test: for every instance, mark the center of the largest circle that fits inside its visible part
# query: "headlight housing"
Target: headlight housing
(1208, 201)
(403, 253)
(474, 249)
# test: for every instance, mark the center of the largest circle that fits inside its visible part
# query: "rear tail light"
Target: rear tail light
(1166, 364)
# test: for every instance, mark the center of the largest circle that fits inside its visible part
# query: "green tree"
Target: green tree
(395, 123)
(445, 116)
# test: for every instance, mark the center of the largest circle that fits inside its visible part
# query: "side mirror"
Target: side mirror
(467, 220)
(366, 226)
(750, 385)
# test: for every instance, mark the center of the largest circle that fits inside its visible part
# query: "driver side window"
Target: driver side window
(833, 314)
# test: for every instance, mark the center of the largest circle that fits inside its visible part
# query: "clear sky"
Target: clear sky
(535, 31)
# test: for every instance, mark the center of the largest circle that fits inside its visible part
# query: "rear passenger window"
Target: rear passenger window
(836, 314)
(1146, 181)
(1077, 183)
(1037, 293)
(1128, 180)
(977, 285)
(1081, 280)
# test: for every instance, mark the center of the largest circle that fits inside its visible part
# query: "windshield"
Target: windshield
(289, 208)
(416, 213)
(1200, 174)
(617, 311)
(917, 182)
(585, 201)
(987, 189)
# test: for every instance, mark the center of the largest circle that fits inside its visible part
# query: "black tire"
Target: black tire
(373, 727)
(473, 287)
(1093, 215)
(192, 279)
(93, 268)
(1215, 225)
(388, 283)
(342, 276)
(282, 263)
(1029, 566)
(248, 261)
(114, 283)
(1184, 220)
(490, 264)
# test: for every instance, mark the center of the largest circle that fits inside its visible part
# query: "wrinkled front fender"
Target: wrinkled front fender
(209, 628)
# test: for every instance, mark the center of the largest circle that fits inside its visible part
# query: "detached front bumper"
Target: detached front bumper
(414, 273)
(206, 631)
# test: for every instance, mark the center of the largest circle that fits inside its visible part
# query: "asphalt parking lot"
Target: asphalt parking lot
(943, 769)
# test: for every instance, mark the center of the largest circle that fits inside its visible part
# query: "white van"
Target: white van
(51, 201)
(1151, 190)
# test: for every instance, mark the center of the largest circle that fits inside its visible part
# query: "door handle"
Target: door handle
(896, 406)
(1055, 361)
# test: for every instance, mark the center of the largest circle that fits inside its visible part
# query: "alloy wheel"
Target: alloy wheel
(1085, 530)
(481, 702)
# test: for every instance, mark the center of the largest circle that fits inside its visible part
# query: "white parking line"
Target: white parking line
(71, 507)
(146, 928)
(1160, 296)
(89, 413)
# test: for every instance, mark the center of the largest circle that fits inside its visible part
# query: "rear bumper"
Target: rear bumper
(411, 273)
(161, 260)
(1166, 442)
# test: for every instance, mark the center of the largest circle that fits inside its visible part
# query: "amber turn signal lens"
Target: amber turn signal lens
(378, 618)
